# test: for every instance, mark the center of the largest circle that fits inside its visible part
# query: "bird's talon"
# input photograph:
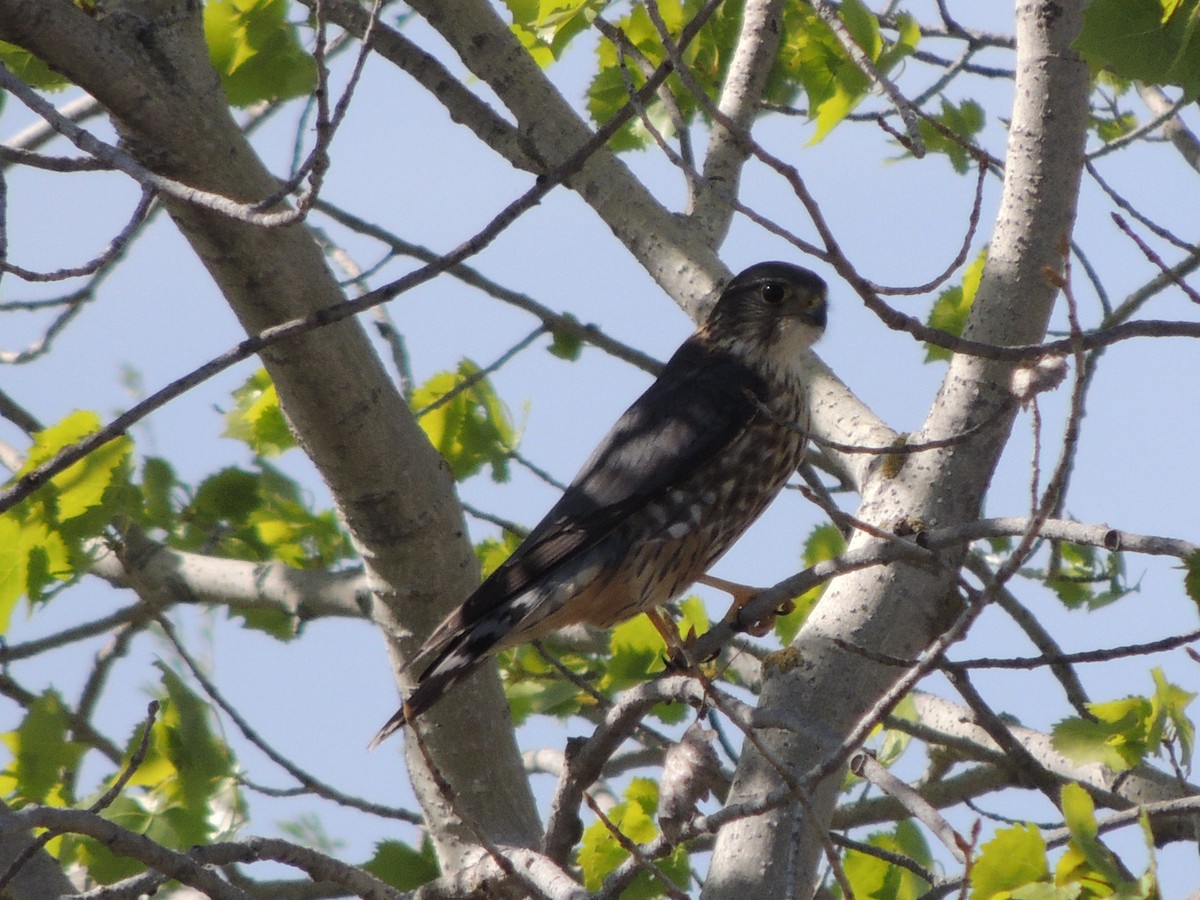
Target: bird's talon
(676, 663)
(762, 627)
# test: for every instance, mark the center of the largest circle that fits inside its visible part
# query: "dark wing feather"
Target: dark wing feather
(701, 402)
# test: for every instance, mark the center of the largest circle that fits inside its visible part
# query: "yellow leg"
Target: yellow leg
(743, 594)
(677, 651)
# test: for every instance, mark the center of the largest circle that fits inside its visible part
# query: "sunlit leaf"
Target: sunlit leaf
(953, 305)
(31, 70)
(600, 852)
(81, 486)
(1117, 738)
(637, 652)
(257, 418)
(256, 51)
(871, 876)
(1168, 706)
(1014, 857)
(1079, 812)
(466, 421)
(823, 542)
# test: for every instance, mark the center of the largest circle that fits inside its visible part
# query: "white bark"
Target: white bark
(899, 610)
(148, 66)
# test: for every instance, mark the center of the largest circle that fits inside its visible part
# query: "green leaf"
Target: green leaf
(812, 57)
(895, 740)
(200, 758)
(403, 867)
(1118, 738)
(1153, 41)
(959, 126)
(546, 27)
(879, 879)
(1080, 568)
(188, 773)
(1110, 128)
(823, 542)
(14, 567)
(1015, 857)
(41, 754)
(693, 618)
(158, 481)
(707, 56)
(466, 421)
(492, 551)
(256, 51)
(600, 852)
(1125, 731)
(1168, 705)
(34, 552)
(230, 495)
(566, 346)
(953, 305)
(30, 69)
(257, 418)
(259, 516)
(106, 867)
(637, 653)
(81, 486)
(1079, 812)
(1191, 578)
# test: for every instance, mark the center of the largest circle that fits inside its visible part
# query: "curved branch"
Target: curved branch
(746, 80)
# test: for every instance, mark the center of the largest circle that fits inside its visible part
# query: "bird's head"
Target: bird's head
(772, 310)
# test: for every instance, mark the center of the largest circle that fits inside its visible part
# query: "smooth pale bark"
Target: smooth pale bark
(901, 609)
(147, 64)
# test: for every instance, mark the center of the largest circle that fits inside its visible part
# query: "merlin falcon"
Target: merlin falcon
(688, 467)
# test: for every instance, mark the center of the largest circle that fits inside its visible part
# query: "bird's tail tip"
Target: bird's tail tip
(394, 724)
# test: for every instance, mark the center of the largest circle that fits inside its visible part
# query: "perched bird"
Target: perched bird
(688, 467)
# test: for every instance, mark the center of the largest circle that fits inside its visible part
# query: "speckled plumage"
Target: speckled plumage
(688, 467)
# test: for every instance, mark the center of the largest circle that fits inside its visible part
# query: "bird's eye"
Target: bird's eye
(772, 292)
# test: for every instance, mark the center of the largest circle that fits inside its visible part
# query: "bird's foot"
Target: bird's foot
(742, 594)
(679, 656)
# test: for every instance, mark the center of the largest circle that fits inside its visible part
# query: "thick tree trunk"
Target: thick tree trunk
(148, 66)
(901, 609)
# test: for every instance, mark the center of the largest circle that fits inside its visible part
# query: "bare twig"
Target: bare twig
(309, 782)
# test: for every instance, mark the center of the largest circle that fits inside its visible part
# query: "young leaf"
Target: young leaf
(959, 125)
(1015, 857)
(81, 486)
(1191, 578)
(637, 652)
(403, 867)
(953, 305)
(1168, 705)
(31, 70)
(823, 542)
(256, 51)
(1079, 812)
(466, 421)
(601, 852)
(257, 418)
(871, 876)
(1117, 738)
